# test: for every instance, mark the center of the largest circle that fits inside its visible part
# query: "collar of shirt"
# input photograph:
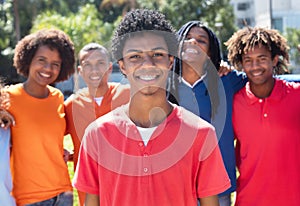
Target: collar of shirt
(196, 82)
(277, 93)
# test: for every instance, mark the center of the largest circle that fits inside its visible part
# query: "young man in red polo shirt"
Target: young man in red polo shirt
(149, 152)
(266, 119)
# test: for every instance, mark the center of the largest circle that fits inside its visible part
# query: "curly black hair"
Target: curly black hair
(136, 21)
(247, 38)
(55, 39)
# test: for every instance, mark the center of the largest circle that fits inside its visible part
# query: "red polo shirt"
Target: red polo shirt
(181, 161)
(268, 146)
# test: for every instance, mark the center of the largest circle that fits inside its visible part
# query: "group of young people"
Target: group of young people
(167, 138)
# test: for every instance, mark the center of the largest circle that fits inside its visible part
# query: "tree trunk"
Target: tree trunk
(17, 19)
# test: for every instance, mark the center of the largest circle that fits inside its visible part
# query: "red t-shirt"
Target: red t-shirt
(180, 163)
(268, 146)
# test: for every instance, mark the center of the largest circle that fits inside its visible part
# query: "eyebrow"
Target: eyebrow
(141, 51)
(261, 55)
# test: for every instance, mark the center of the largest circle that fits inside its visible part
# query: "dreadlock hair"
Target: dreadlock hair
(54, 39)
(212, 66)
(139, 20)
(247, 38)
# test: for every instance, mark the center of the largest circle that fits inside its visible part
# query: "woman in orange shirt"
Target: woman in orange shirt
(39, 172)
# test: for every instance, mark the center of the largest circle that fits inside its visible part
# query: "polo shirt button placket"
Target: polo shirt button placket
(264, 112)
(146, 168)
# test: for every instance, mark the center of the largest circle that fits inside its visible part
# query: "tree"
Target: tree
(83, 27)
(293, 38)
(217, 14)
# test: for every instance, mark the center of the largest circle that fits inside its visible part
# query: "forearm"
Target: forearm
(92, 200)
(209, 201)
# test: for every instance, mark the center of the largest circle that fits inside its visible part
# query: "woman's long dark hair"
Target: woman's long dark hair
(212, 66)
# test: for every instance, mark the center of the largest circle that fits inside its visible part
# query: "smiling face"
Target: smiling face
(258, 65)
(195, 51)
(95, 67)
(146, 63)
(45, 66)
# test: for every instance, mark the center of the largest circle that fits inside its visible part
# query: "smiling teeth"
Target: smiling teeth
(45, 75)
(95, 78)
(147, 78)
(257, 73)
(193, 51)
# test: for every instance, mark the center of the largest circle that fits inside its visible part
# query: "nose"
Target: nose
(148, 61)
(191, 41)
(256, 63)
(47, 65)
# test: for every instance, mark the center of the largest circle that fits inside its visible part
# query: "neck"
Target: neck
(262, 90)
(99, 91)
(147, 111)
(190, 74)
(36, 90)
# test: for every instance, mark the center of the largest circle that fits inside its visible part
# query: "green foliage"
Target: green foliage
(293, 37)
(83, 27)
(6, 26)
(87, 21)
(217, 14)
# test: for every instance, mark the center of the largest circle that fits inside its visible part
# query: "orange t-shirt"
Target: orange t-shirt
(81, 110)
(38, 168)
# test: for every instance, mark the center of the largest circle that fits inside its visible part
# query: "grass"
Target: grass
(69, 146)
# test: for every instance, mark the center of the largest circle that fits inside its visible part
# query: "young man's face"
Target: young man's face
(95, 67)
(146, 63)
(258, 65)
(195, 49)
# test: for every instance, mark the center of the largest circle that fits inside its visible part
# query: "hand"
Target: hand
(4, 99)
(68, 156)
(225, 68)
(6, 119)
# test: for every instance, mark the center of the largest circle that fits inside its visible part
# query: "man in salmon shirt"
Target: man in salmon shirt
(97, 99)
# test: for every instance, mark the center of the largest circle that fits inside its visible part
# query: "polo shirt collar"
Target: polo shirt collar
(277, 93)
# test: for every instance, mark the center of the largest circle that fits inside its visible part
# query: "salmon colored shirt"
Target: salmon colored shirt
(38, 168)
(81, 110)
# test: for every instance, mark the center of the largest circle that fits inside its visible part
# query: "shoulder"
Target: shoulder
(235, 78)
(190, 119)
(289, 86)
(81, 94)
(14, 89)
(55, 92)
(118, 87)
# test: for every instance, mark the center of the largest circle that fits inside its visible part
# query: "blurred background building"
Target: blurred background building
(277, 14)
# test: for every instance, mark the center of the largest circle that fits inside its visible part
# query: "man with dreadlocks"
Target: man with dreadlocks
(266, 119)
(196, 86)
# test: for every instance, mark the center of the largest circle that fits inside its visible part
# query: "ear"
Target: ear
(122, 67)
(275, 60)
(110, 67)
(79, 69)
(171, 59)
